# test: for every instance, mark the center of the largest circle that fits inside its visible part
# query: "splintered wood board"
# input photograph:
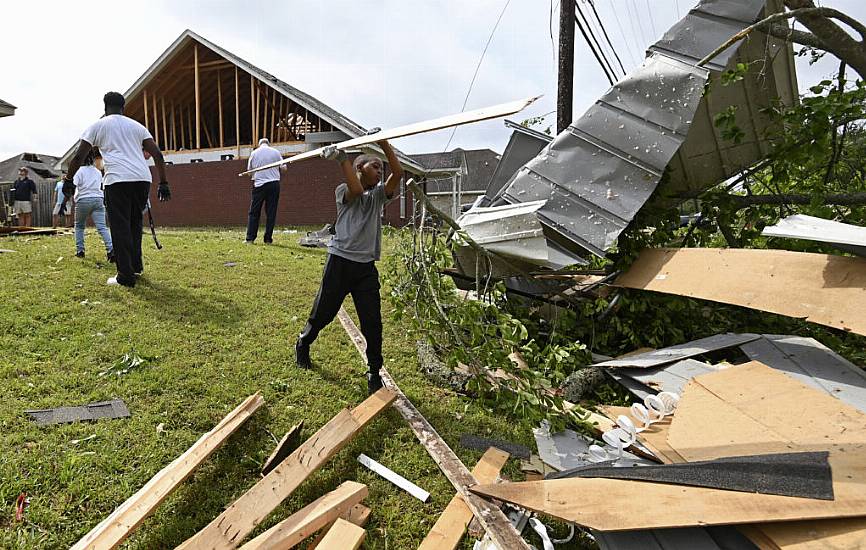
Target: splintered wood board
(343, 536)
(496, 111)
(309, 519)
(114, 529)
(449, 528)
(823, 289)
(238, 520)
(357, 514)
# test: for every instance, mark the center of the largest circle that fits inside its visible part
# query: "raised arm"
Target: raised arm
(396, 169)
(355, 188)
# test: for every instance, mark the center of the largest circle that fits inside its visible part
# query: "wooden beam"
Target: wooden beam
(309, 519)
(146, 118)
(449, 528)
(114, 529)
(343, 536)
(357, 514)
(239, 519)
(155, 119)
(237, 114)
(214, 65)
(164, 125)
(459, 119)
(820, 288)
(489, 516)
(173, 129)
(252, 112)
(207, 135)
(192, 144)
(197, 103)
(220, 104)
(284, 448)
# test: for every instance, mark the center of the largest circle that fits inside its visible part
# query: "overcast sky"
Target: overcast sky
(380, 62)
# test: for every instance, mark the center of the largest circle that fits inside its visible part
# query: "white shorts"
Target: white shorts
(22, 207)
(56, 211)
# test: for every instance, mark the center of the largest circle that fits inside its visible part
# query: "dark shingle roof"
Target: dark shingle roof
(39, 166)
(477, 165)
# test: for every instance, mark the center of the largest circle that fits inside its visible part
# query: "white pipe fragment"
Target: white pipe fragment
(394, 478)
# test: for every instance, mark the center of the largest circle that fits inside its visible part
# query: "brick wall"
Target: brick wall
(211, 193)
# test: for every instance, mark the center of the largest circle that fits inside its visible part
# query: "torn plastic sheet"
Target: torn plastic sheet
(597, 174)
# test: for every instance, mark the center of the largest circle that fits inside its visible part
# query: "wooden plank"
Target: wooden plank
(309, 519)
(357, 514)
(342, 536)
(829, 290)
(679, 352)
(239, 519)
(164, 125)
(394, 478)
(146, 117)
(173, 129)
(155, 119)
(114, 529)
(197, 103)
(812, 363)
(237, 114)
(220, 105)
(494, 522)
(451, 525)
(614, 504)
(486, 113)
(252, 112)
(192, 145)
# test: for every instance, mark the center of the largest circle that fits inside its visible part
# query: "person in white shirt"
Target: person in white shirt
(266, 190)
(90, 202)
(62, 208)
(127, 181)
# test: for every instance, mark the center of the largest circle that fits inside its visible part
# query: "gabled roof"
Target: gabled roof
(39, 166)
(6, 108)
(476, 165)
(301, 98)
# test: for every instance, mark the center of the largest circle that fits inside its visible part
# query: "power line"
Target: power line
(586, 30)
(597, 58)
(478, 67)
(622, 35)
(677, 6)
(652, 23)
(634, 32)
(606, 37)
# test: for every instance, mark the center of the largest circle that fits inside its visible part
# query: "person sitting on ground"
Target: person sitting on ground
(127, 181)
(350, 267)
(90, 202)
(266, 190)
(23, 192)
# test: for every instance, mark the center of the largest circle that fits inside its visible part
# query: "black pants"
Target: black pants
(269, 194)
(124, 202)
(361, 280)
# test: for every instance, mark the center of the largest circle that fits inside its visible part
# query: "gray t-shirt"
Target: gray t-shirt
(359, 225)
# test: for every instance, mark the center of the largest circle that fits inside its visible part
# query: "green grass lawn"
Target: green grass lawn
(218, 334)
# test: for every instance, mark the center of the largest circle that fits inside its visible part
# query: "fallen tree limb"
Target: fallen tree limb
(491, 518)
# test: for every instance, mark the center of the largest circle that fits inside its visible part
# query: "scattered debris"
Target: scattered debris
(394, 478)
(582, 382)
(318, 239)
(850, 238)
(357, 514)
(115, 408)
(114, 529)
(680, 352)
(20, 505)
(482, 443)
(242, 516)
(491, 517)
(565, 450)
(129, 361)
(323, 511)
(230, 264)
(6, 250)
(77, 441)
(160, 428)
(437, 371)
(451, 525)
(284, 448)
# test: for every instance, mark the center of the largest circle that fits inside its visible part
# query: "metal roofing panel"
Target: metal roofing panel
(851, 238)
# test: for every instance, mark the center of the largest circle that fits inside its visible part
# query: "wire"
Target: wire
(677, 6)
(652, 23)
(597, 58)
(589, 31)
(634, 59)
(634, 33)
(606, 37)
(478, 67)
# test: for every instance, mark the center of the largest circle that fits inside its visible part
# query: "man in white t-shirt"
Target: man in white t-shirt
(127, 181)
(266, 190)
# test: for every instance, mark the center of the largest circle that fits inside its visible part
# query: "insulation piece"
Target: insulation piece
(805, 474)
(115, 408)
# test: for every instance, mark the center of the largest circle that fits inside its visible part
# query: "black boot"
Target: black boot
(374, 381)
(302, 355)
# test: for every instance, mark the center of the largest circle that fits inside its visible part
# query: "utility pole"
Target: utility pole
(565, 86)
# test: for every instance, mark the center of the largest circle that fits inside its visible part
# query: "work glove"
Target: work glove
(163, 193)
(68, 188)
(332, 153)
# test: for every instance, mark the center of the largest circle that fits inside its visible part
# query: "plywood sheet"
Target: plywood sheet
(829, 290)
